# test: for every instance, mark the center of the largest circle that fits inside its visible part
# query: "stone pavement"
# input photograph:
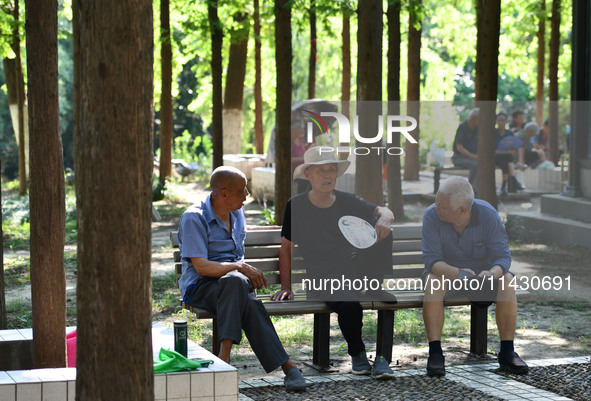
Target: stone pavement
(462, 382)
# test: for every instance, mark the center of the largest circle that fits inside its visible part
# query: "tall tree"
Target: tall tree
(217, 122)
(368, 175)
(15, 85)
(413, 88)
(47, 194)
(541, 36)
(234, 92)
(283, 54)
(3, 319)
(346, 60)
(259, 138)
(395, 199)
(487, 51)
(113, 163)
(313, 54)
(553, 148)
(166, 92)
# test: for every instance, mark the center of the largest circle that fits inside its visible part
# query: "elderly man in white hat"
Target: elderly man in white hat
(311, 220)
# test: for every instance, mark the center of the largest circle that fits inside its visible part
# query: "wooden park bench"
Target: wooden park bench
(262, 251)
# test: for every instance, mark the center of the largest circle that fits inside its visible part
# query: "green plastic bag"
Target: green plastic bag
(171, 361)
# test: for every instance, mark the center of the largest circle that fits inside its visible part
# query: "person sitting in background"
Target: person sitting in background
(541, 140)
(465, 145)
(531, 156)
(517, 121)
(504, 158)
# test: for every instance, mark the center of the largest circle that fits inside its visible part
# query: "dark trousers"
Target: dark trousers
(373, 263)
(232, 299)
(502, 160)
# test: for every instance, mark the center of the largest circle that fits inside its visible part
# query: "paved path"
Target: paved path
(461, 382)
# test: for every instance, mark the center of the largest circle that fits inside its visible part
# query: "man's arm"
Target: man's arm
(209, 268)
(465, 152)
(384, 223)
(285, 252)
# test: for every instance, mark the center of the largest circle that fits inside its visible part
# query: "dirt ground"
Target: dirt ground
(553, 324)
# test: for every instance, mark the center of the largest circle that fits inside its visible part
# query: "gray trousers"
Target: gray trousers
(231, 298)
(464, 162)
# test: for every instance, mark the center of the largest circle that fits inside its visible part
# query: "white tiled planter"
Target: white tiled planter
(217, 382)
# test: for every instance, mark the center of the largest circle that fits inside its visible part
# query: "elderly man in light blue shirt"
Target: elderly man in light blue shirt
(465, 247)
(215, 277)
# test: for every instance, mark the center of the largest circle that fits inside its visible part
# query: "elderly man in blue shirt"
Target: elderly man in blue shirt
(465, 249)
(215, 277)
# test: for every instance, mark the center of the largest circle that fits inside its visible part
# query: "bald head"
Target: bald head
(459, 192)
(224, 177)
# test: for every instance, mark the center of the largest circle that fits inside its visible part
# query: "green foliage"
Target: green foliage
(159, 190)
(269, 216)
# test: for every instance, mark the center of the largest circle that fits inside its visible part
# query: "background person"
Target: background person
(465, 145)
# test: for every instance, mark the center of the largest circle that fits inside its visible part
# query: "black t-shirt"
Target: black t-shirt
(466, 137)
(316, 230)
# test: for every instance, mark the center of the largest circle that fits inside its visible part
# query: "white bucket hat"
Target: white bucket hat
(319, 155)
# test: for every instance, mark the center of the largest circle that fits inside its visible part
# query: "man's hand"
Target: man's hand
(384, 223)
(256, 277)
(282, 295)
(467, 271)
(486, 273)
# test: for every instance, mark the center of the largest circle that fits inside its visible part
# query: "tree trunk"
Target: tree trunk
(113, 148)
(477, 63)
(283, 54)
(413, 93)
(232, 115)
(259, 138)
(166, 92)
(47, 195)
(541, 64)
(368, 175)
(346, 75)
(3, 319)
(313, 54)
(395, 199)
(488, 64)
(13, 71)
(217, 37)
(553, 148)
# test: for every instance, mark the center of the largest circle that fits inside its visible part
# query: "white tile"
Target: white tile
(71, 390)
(203, 399)
(50, 375)
(160, 387)
(28, 392)
(178, 385)
(226, 383)
(202, 384)
(26, 333)
(24, 376)
(55, 391)
(11, 335)
(7, 392)
(5, 378)
(227, 398)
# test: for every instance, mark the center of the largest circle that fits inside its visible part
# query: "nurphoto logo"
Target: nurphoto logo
(345, 130)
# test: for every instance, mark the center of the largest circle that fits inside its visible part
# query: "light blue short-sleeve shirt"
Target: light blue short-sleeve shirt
(203, 235)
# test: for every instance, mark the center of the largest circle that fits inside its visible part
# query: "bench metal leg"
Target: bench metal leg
(436, 178)
(478, 330)
(215, 347)
(321, 347)
(384, 341)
